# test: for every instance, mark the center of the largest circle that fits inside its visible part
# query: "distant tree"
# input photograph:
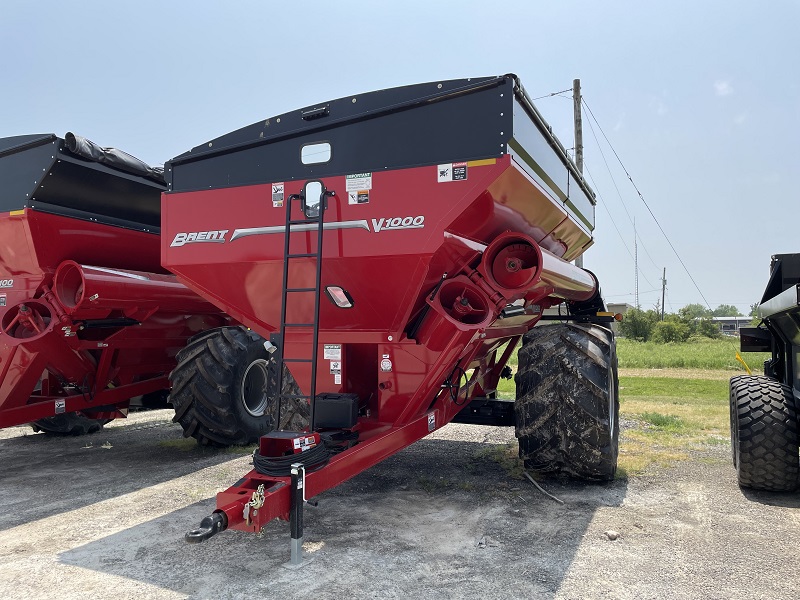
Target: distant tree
(638, 324)
(707, 328)
(694, 311)
(726, 310)
(670, 330)
(754, 314)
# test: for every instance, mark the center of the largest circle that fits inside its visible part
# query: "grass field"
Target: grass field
(704, 353)
(673, 399)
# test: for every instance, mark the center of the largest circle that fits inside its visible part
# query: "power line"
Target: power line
(608, 212)
(613, 222)
(553, 94)
(666, 237)
(614, 181)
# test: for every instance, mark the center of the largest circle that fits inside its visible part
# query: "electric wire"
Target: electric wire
(602, 202)
(619, 194)
(635, 187)
(608, 212)
(597, 190)
(553, 94)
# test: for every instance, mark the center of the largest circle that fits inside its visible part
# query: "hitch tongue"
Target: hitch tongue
(209, 527)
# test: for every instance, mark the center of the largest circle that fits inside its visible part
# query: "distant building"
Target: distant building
(731, 325)
(618, 307)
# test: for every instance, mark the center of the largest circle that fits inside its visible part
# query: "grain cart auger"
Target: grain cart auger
(392, 249)
(88, 317)
(765, 427)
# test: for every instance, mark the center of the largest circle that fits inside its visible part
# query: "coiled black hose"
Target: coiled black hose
(281, 466)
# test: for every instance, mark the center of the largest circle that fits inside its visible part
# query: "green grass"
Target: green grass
(675, 418)
(704, 353)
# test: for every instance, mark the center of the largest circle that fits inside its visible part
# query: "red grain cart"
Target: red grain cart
(391, 249)
(88, 318)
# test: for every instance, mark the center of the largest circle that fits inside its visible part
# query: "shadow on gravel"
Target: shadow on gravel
(43, 475)
(440, 519)
(783, 499)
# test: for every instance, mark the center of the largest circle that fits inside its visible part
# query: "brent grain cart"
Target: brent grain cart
(764, 409)
(88, 317)
(389, 252)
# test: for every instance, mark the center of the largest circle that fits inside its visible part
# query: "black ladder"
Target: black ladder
(297, 226)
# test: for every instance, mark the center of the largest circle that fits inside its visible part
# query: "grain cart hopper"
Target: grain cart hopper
(391, 250)
(88, 318)
(764, 409)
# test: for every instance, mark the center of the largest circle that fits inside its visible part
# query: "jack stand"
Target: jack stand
(296, 518)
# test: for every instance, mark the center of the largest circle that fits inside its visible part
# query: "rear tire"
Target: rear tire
(68, 424)
(764, 434)
(223, 389)
(567, 407)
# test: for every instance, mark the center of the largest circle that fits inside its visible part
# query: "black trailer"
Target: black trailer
(764, 409)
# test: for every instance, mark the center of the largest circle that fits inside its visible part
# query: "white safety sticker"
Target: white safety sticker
(358, 182)
(336, 366)
(337, 379)
(431, 421)
(2, 299)
(451, 172)
(304, 443)
(332, 352)
(386, 365)
(277, 194)
(61, 406)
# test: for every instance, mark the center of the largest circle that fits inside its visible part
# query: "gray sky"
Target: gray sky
(700, 99)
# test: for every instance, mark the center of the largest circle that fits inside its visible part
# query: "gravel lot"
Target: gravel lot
(103, 516)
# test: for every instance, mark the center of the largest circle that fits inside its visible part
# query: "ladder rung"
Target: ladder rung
(302, 289)
(306, 255)
(298, 360)
(303, 221)
(298, 324)
(293, 396)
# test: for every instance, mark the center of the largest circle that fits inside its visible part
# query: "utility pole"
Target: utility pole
(635, 266)
(663, 290)
(576, 101)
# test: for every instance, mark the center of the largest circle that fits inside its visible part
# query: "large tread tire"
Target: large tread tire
(567, 407)
(764, 434)
(221, 395)
(68, 424)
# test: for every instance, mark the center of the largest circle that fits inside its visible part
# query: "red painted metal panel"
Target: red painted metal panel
(42, 335)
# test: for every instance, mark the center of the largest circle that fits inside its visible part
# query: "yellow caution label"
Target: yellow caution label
(481, 163)
(17, 212)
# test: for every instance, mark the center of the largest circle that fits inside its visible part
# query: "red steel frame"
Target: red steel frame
(404, 336)
(51, 359)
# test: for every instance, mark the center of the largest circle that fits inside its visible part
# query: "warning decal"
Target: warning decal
(332, 352)
(358, 182)
(2, 299)
(277, 194)
(451, 172)
(358, 197)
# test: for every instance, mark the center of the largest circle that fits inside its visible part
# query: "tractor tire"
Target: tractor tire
(567, 407)
(764, 434)
(223, 389)
(68, 424)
